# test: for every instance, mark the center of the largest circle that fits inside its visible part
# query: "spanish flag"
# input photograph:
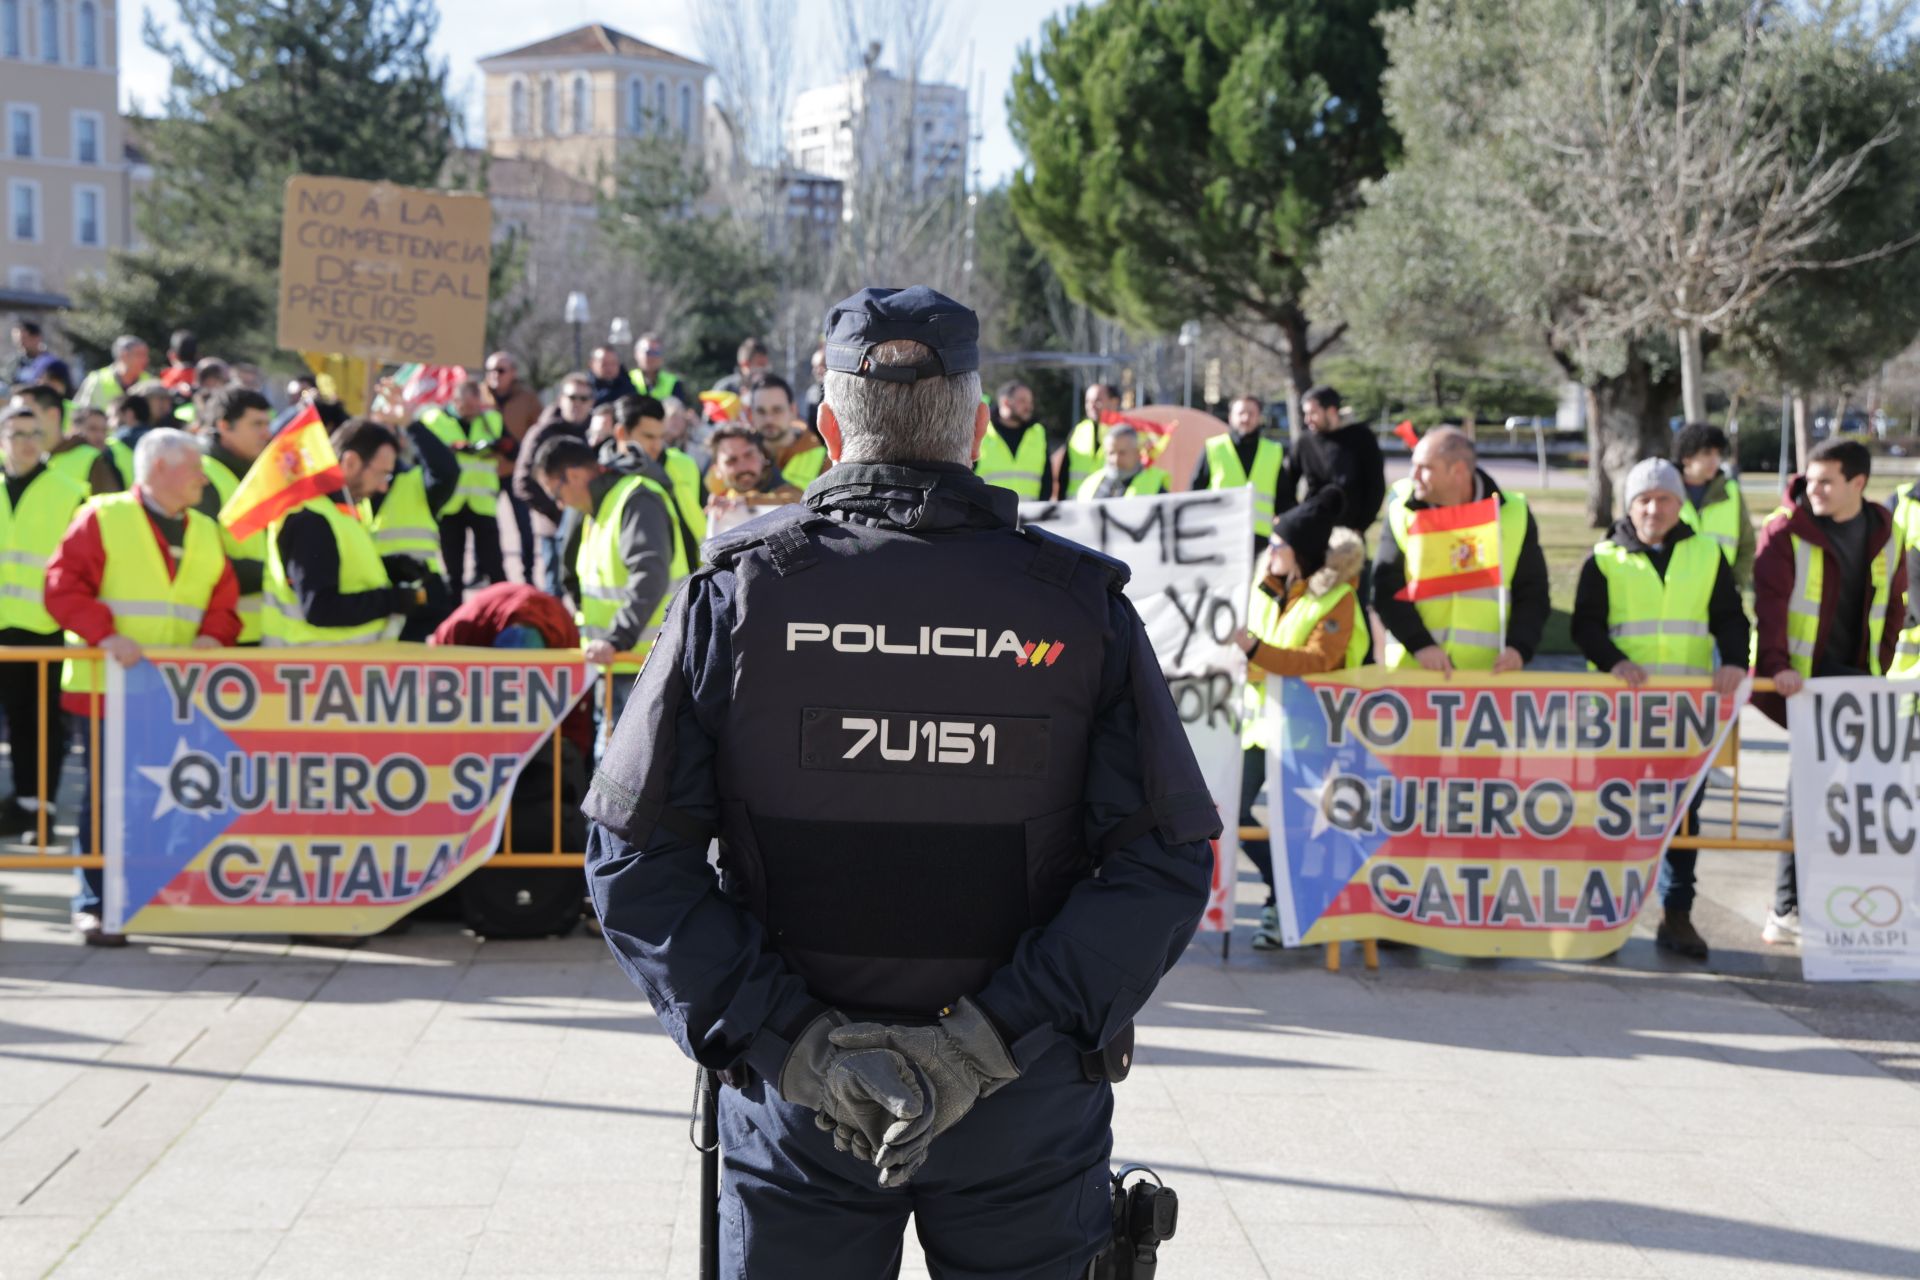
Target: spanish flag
(1452, 549)
(722, 406)
(297, 466)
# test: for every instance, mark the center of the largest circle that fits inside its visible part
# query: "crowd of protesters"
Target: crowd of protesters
(480, 506)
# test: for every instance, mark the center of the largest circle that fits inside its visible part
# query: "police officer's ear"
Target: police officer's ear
(829, 428)
(981, 421)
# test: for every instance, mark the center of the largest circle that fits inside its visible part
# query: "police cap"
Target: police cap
(870, 317)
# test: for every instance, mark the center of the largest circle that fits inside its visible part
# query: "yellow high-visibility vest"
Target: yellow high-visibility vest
(360, 570)
(1906, 534)
(405, 525)
(1273, 622)
(1661, 625)
(603, 572)
(1225, 472)
(1145, 483)
(684, 474)
(479, 490)
(1086, 448)
(252, 604)
(803, 468)
(151, 607)
(1803, 606)
(1024, 472)
(1467, 624)
(29, 535)
(1719, 523)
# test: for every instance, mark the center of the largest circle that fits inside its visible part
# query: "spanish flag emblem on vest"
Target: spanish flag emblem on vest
(298, 465)
(1452, 549)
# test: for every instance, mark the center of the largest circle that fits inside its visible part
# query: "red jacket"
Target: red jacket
(73, 592)
(1773, 592)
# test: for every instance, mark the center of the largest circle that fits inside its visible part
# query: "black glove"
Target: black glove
(404, 570)
(405, 601)
(958, 1062)
(866, 1096)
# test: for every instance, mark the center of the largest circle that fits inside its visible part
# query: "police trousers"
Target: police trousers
(1017, 1190)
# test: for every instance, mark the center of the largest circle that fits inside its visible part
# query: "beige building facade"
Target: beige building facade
(571, 100)
(65, 182)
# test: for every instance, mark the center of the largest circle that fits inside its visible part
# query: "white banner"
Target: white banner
(1192, 560)
(1855, 783)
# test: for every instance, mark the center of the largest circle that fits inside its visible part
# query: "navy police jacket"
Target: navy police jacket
(940, 760)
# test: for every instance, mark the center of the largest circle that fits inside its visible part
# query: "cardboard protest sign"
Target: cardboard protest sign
(391, 273)
(1192, 557)
(1855, 789)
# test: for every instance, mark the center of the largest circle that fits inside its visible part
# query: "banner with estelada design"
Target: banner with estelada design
(323, 790)
(1482, 816)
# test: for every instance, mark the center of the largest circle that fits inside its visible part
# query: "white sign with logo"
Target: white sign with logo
(1856, 821)
(1192, 559)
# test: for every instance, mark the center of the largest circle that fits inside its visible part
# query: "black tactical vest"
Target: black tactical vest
(901, 771)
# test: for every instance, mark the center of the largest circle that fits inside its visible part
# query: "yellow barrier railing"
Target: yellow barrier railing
(47, 660)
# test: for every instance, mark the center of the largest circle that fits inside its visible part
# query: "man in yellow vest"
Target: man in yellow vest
(39, 505)
(1014, 453)
(102, 387)
(326, 581)
(1906, 527)
(72, 456)
(1715, 506)
(626, 558)
(1243, 457)
(797, 449)
(472, 431)
(1829, 599)
(1123, 473)
(239, 422)
(638, 438)
(137, 570)
(1487, 628)
(1083, 454)
(1657, 598)
(649, 373)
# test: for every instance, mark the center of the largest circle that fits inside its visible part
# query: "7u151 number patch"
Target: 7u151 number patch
(923, 742)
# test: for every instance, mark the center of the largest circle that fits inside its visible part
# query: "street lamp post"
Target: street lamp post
(1190, 338)
(576, 315)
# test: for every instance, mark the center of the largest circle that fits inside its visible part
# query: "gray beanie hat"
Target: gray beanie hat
(1654, 473)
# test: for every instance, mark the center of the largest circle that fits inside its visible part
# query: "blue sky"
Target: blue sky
(471, 29)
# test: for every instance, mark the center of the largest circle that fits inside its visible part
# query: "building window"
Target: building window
(86, 137)
(89, 204)
(87, 34)
(660, 106)
(582, 105)
(10, 28)
(636, 105)
(23, 130)
(686, 111)
(23, 210)
(549, 108)
(50, 30)
(517, 109)
(25, 278)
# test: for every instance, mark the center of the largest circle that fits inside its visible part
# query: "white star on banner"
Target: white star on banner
(1317, 797)
(159, 775)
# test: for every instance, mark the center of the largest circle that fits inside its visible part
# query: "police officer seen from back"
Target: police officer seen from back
(961, 839)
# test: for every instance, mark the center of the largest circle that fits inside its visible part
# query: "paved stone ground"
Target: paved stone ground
(430, 1105)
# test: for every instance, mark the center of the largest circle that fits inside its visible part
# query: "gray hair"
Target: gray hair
(1121, 431)
(1452, 445)
(127, 342)
(929, 420)
(162, 444)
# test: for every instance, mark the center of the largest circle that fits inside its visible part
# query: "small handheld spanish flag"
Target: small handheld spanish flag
(297, 466)
(1452, 549)
(721, 406)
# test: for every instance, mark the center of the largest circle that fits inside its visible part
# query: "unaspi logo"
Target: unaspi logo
(925, 642)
